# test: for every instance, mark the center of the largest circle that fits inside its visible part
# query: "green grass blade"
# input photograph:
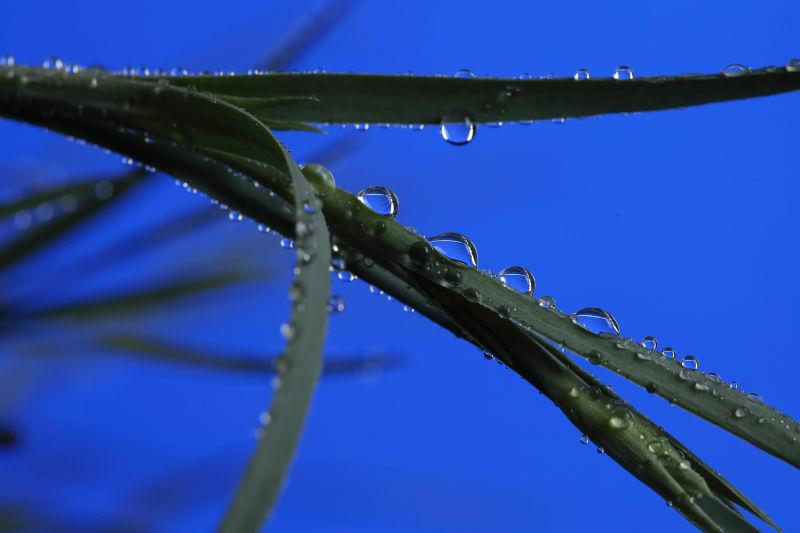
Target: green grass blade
(178, 354)
(147, 299)
(34, 239)
(298, 373)
(357, 98)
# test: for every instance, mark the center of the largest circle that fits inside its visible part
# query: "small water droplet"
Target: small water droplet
(455, 246)
(668, 352)
(740, 412)
(465, 73)
(518, 278)
(335, 304)
(287, 243)
(7, 60)
(793, 65)
(584, 439)
(288, 331)
(596, 320)
(623, 72)
(458, 129)
(655, 446)
(690, 362)
(735, 69)
(684, 465)
(755, 397)
(103, 190)
(547, 302)
(601, 450)
(380, 199)
(582, 74)
(488, 356)
(618, 422)
(649, 342)
(733, 385)
(235, 216)
(346, 276)
(53, 62)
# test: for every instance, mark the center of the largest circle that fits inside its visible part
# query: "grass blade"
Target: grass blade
(359, 98)
(298, 373)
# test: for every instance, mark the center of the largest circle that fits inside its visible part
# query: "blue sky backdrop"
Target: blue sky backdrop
(681, 223)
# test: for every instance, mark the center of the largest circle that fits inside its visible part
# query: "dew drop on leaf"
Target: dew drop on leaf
(458, 129)
(734, 70)
(335, 304)
(623, 72)
(582, 74)
(8, 60)
(596, 320)
(793, 65)
(690, 362)
(584, 439)
(380, 199)
(287, 243)
(346, 276)
(547, 302)
(668, 352)
(649, 342)
(518, 278)
(465, 73)
(455, 246)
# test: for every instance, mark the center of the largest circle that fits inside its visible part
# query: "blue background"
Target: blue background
(681, 223)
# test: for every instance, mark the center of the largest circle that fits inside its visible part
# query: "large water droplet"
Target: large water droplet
(317, 172)
(793, 65)
(518, 278)
(668, 352)
(649, 342)
(690, 362)
(458, 129)
(734, 70)
(455, 246)
(623, 72)
(465, 73)
(335, 304)
(380, 199)
(596, 320)
(582, 74)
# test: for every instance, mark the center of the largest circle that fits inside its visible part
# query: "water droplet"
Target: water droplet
(684, 465)
(623, 72)
(618, 422)
(584, 439)
(53, 62)
(793, 65)
(318, 173)
(458, 129)
(734, 70)
(740, 412)
(288, 331)
(235, 216)
(308, 207)
(8, 60)
(338, 263)
(596, 320)
(714, 377)
(649, 342)
(518, 278)
(755, 397)
(380, 199)
(668, 352)
(655, 446)
(287, 243)
(488, 356)
(103, 190)
(465, 73)
(548, 302)
(582, 74)
(335, 304)
(346, 276)
(690, 362)
(601, 450)
(455, 246)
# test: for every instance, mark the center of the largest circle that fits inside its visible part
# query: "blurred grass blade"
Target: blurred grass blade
(360, 98)
(89, 203)
(172, 353)
(78, 192)
(307, 33)
(147, 299)
(299, 368)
